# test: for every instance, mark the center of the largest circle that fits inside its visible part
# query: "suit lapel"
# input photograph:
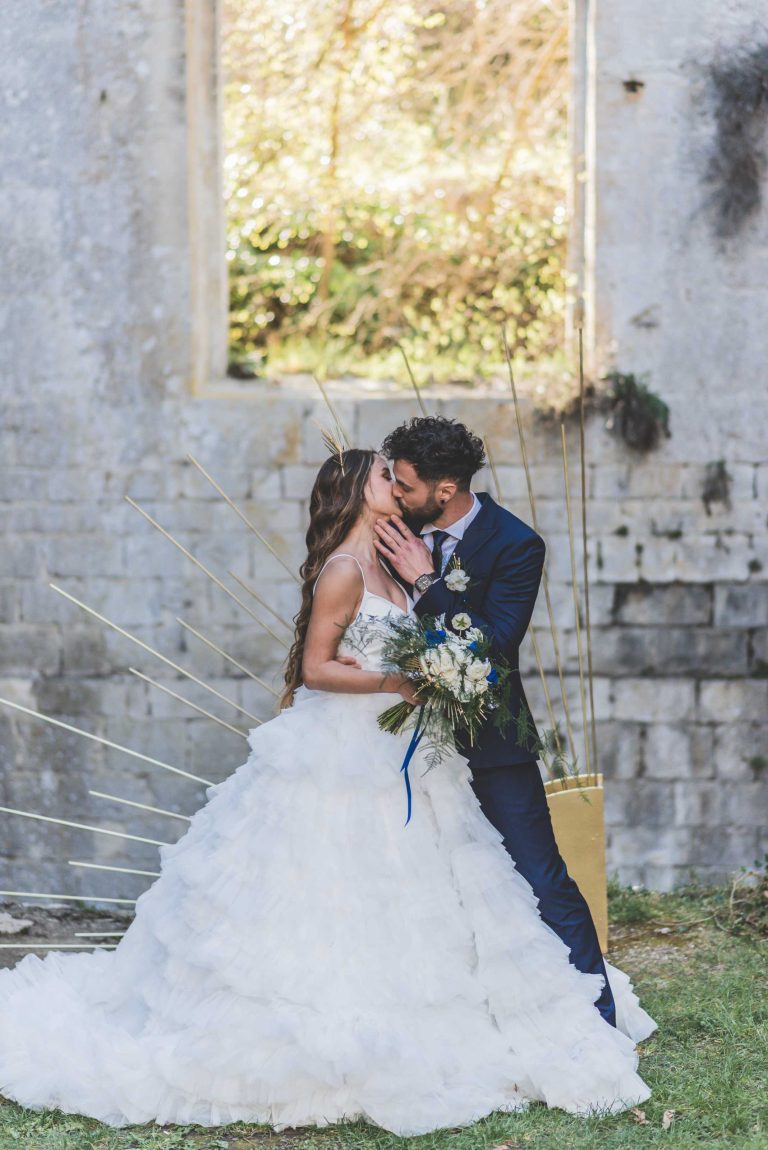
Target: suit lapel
(479, 531)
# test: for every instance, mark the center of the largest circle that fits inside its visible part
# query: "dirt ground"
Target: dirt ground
(55, 923)
(640, 947)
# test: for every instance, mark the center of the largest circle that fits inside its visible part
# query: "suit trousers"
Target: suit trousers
(513, 799)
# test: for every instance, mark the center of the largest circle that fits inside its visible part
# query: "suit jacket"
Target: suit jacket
(504, 558)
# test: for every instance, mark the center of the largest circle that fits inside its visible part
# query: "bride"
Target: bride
(304, 957)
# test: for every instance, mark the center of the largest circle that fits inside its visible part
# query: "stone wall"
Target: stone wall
(678, 623)
(107, 385)
(677, 294)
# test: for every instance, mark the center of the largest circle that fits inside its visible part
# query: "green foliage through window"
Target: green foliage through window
(395, 173)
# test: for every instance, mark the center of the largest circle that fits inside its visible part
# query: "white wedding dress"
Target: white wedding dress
(305, 957)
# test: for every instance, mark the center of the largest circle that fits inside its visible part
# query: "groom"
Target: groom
(444, 525)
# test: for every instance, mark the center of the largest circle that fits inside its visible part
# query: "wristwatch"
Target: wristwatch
(425, 581)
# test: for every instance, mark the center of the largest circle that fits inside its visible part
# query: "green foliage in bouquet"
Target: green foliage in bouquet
(549, 747)
(458, 684)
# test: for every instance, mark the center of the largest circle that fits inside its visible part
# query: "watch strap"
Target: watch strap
(425, 581)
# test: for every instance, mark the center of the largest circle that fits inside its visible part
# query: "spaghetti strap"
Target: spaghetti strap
(339, 555)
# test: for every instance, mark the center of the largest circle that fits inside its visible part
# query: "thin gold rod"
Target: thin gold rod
(158, 655)
(583, 461)
(57, 945)
(83, 826)
(141, 806)
(492, 466)
(99, 934)
(107, 743)
(244, 518)
(247, 587)
(229, 658)
(544, 579)
(63, 897)
(574, 585)
(119, 869)
(543, 677)
(205, 569)
(412, 378)
(194, 706)
(520, 434)
(332, 409)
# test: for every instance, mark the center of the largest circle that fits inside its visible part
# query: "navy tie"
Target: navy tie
(437, 550)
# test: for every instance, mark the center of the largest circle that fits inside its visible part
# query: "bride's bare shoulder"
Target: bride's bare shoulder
(339, 582)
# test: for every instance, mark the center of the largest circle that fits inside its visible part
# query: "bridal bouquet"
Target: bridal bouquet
(457, 683)
(451, 671)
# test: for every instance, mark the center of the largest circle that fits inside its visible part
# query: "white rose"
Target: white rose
(455, 643)
(478, 670)
(461, 621)
(429, 662)
(456, 580)
(451, 679)
(472, 689)
(474, 635)
(446, 658)
(462, 656)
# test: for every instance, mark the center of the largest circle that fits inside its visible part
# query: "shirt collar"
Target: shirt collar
(457, 529)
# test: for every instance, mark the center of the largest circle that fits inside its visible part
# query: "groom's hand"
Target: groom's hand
(348, 661)
(407, 553)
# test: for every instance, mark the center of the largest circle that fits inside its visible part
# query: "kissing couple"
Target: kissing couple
(303, 957)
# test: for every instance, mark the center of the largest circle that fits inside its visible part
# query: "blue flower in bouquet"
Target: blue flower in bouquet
(493, 677)
(434, 638)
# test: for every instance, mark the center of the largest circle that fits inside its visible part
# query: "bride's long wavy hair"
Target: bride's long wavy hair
(337, 498)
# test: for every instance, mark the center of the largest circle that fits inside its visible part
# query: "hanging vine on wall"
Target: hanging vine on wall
(638, 415)
(632, 410)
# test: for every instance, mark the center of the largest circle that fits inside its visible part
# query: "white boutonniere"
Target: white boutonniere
(455, 577)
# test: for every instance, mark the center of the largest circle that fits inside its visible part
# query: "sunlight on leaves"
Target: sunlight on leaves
(394, 174)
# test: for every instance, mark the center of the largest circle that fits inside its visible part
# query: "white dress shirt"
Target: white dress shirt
(455, 532)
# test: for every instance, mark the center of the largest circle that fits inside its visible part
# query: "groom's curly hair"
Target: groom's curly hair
(438, 448)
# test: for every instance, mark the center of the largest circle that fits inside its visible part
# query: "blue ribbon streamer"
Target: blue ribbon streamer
(415, 740)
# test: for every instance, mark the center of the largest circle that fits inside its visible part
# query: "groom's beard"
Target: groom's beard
(415, 519)
(413, 522)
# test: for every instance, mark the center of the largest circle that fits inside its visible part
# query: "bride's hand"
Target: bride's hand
(394, 683)
(408, 691)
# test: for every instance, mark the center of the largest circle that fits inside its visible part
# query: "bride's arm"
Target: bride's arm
(337, 598)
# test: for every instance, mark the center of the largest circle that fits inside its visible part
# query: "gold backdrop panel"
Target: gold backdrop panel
(578, 819)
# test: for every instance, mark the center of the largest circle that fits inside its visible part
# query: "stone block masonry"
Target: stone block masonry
(112, 372)
(681, 692)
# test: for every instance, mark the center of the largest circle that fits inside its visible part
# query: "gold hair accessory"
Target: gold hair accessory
(335, 444)
(334, 440)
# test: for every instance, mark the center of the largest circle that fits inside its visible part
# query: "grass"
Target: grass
(697, 958)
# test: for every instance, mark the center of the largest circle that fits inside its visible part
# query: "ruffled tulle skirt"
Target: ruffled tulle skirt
(306, 958)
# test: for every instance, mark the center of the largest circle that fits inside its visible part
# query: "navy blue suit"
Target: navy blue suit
(504, 557)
